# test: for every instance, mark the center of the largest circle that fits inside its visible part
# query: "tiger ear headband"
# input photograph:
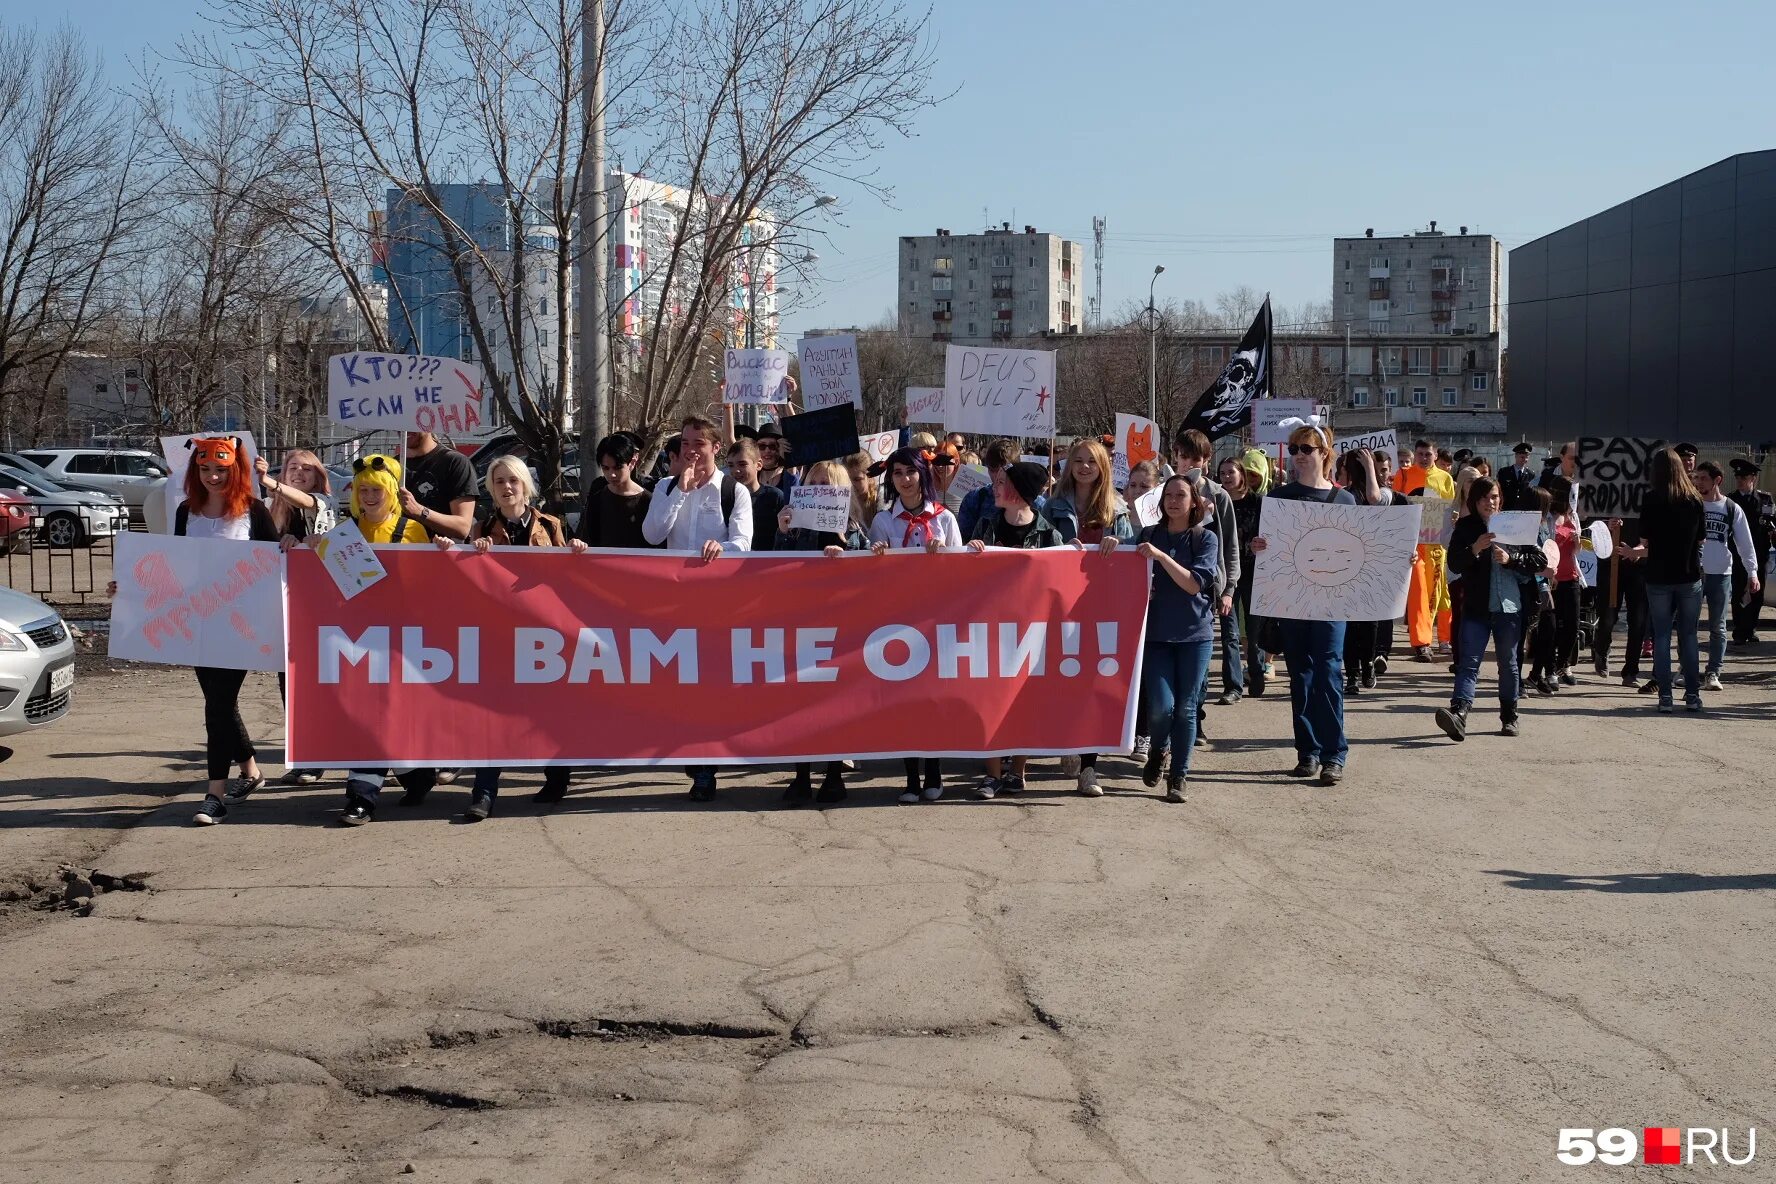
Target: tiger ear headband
(215, 450)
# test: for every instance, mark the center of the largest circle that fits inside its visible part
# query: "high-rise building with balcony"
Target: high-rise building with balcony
(1428, 282)
(997, 286)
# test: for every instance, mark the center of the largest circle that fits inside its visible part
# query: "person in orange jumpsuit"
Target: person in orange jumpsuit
(1427, 598)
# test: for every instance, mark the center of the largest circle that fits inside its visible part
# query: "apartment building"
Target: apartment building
(1000, 285)
(1428, 282)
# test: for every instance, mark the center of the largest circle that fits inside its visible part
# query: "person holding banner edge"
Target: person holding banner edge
(1314, 650)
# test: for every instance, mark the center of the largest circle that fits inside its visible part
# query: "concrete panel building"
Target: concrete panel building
(1430, 283)
(997, 286)
(1653, 318)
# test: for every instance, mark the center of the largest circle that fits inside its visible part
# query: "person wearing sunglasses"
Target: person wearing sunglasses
(1314, 650)
(946, 462)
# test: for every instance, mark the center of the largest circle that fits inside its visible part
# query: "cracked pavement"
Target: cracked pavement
(1421, 975)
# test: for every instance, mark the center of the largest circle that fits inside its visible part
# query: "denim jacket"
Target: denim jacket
(1061, 512)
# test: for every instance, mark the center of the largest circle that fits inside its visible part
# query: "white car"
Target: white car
(64, 518)
(36, 664)
(132, 474)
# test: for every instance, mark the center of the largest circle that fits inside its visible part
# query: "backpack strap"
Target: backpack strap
(730, 488)
(400, 534)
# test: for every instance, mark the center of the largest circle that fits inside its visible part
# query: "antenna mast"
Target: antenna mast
(1099, 225)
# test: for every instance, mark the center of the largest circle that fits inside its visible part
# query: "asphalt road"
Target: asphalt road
(1422, 975)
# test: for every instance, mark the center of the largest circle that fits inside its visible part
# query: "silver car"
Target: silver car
(36, 664)
(133, 474)
(65, 518)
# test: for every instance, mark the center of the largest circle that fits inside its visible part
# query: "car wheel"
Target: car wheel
(62, 530)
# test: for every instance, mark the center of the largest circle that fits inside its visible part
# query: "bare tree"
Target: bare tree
(71, 194)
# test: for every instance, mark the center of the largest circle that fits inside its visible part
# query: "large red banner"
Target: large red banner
(521, 657)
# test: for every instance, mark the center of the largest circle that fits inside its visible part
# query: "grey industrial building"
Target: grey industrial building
(1654, 318)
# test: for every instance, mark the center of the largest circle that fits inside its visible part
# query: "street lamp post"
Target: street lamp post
(1153, 348)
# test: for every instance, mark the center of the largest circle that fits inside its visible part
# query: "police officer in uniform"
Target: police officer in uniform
(1760, 516)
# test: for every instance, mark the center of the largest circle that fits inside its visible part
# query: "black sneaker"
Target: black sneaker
(832, 789)
(800, 791)
(1150, 771)
(480, 806)
(1351, 686)
(1381, 667)
(1508, 727)
(415, 797)
(211, 812)
(357, 812)
(1309, 767)
(1255, 680)
(1368, 678)
(987, 790)
(1649, 686)
(703, 790)
(1229, 697)
(1011, 783)
(1332, 773)
(243, 788)
(1454, 722)
(548, 795)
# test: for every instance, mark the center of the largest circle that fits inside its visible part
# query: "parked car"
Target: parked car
(37, 472)
(133, 474)
(16, 523)
(65, 518)
(36, 664)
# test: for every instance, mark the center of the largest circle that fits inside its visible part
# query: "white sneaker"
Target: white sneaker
(1143, 746)
(932, 793)
(1088, 783)
(909, 798)
(1711, 682)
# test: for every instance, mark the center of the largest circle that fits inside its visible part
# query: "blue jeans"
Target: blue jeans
(1505, 631)
(487, 780)
(1172, 678)
(1716, 591)
(1233, 674)
(1314, 651)
(367, 783)
(1679, 607)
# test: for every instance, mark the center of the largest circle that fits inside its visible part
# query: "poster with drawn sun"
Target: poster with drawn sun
(1332, 562)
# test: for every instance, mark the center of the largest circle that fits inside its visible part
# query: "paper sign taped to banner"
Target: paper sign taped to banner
(349, 558)
(825, 508)
(755, 376)
(878, 446)
(830, 375)
(178, 457)
(1382, 440)
(925, 404)
(756, 659)
(369, 391)
(1003, 392)
(1137, 440)
(1332, 562)
(198, 602)
(1438, 521)
(1515, 528)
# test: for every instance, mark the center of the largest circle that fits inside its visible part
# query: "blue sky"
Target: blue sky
(1230, 142)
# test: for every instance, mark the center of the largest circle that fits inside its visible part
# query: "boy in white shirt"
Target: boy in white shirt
(1722, 520)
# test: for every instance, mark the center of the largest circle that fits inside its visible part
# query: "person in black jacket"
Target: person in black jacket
(1672, 527)
(1517, 484)
(1760, 516)
(1496, 581)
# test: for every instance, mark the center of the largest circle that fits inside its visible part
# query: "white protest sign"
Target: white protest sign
(198, 602)
(829, 372)
(349, 559)
(177, 452)
(1147, 506)
(1136, 441)
(1003, 392)
(1329, 562)
(1515, 528)
(825, 508)
(925, 404)
(970, 478)
(1381, 440)
(878, 445)
(1438, 521)
(1601, 541)
(405, 392)
(1268, 413)
(1588, 566)
(755, 375)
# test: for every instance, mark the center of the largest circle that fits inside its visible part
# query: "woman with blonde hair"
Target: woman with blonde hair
(1085, 505)
(1314, 650)
(299, 497)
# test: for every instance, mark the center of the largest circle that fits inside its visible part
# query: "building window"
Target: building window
(1378, 310)
(1391, 395)
(1448, 359)
(972, 331)
(1409, 284)
(1449, 396)
(1418, 358)
(1347, 287)
(1347, 267)
(1360, 397)
(1411, 307)
(1477, 382)
(941, 283)
(1420, 396)
(130, 374)
(974, 265)
(1378, 326)
(941, 263)
(1390, 359)
(543, 307)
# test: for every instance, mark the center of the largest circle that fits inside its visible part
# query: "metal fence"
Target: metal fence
(55, 559)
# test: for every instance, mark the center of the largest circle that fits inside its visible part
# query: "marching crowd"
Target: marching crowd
(1694, 544)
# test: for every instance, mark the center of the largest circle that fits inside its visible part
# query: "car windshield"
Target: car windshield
(24, 465)
(39, 488)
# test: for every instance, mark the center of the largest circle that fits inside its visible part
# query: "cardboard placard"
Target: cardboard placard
(1137, 440)
(1613, 475)
(830, 375)
(1268, 413)
(970, 478)
(827, 434)
(1381, 440)
(878, 446)
(825, 508)
(925, 404)
(368, 391)
(349, 558)
(1437, 521)
(755, 376)
(1515, 528)
(198, 602)
(1001, 392)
